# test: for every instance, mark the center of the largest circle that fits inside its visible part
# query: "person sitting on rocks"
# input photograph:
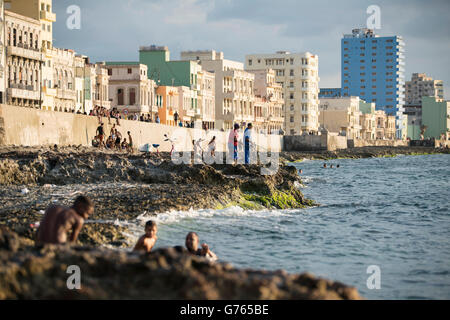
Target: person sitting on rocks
(110, 142)
(58, 221)
(124, 144)
(148, 240)
(192, 241)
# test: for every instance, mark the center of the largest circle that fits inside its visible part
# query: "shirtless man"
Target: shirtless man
(192, 241)
(58, 221)
(130, 142)
(148, 240)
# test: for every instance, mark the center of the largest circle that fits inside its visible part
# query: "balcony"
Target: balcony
(23, 51)
(49, 91)
(23, 92)
(49, 16)
(195, 87)
(66, 94)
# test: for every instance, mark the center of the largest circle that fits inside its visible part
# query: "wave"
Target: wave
(176, 216)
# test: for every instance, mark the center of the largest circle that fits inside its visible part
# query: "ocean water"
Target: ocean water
(393, 213)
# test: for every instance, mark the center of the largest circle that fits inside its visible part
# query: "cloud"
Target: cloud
(114, 29)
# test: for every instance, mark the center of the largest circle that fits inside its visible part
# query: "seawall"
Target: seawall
(31, 127)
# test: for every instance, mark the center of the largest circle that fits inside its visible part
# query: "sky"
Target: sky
(113, 30)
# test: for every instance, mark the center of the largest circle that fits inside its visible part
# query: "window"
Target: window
(250, 62)
(292, 119)
(109, 72)
(129, 72)
(292, 107)
(291, 73)
(132, 94)
(291, 96)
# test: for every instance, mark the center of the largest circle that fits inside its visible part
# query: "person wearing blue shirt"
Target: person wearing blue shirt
(247, 141)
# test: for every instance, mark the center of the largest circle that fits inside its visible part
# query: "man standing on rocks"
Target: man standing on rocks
(101, 135)
(247, 142)
(58, 221)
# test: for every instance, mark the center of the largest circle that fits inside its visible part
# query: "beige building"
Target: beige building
(63, 61)
(367, 122)
(101, 89)
(23, 60)
(207, 99)
(421, 85)
(269, 102)
(40, 10)
(341, 114)
(385, 126)
(233, 87)
(298, 74)
(130, 89)
(186, 105)
(2, 54)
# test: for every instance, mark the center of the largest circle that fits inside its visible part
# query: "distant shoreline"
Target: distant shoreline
(359, 153)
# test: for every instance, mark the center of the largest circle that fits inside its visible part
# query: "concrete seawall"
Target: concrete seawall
(30, 127)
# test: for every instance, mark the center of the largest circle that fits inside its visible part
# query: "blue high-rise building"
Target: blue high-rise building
(330, 93)
(373, 68)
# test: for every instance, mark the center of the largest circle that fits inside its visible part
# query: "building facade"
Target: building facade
(420, 85)
(207, 99)
(367, 120)
(233, 87)
(166, 72)
(436, 118)
(130, 89)
(372, 67)
(167, 101)
(330, 93)
(2, 54)
(40, 10)
(341, 115)
(269, 102)
(298, 75)
(23, 59)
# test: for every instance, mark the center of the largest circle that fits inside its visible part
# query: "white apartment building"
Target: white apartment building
(207, 99)
(187, 108)
(298, 74)
(233, 87)
(421, 85)
(341, 114)
(269, 103)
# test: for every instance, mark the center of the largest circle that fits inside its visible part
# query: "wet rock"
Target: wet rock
(40, 273)
(8, 240)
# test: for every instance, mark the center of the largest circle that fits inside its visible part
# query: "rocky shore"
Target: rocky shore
(357, 153)
(27, 272)
(125, 186)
